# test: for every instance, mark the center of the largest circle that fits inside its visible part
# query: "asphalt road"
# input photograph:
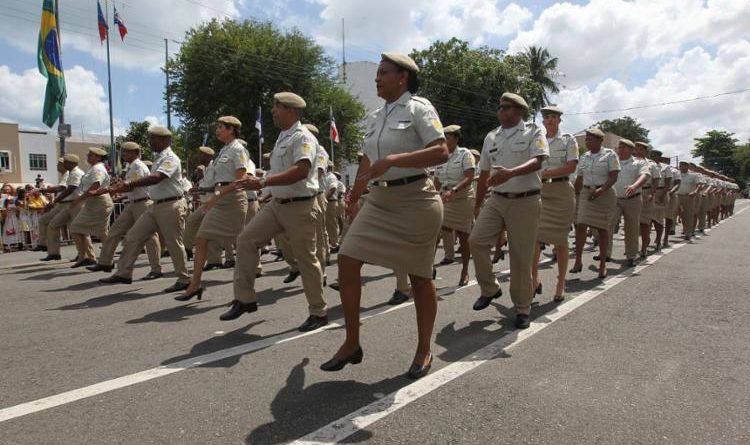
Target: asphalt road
(655, 355)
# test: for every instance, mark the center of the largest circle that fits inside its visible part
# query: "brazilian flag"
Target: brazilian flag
(50, 65)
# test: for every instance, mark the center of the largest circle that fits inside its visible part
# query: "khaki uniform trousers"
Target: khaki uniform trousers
(449, 243)
(322, 234)
(252, 209)
(120, 228)
(167, 218)
(321, 248)
(298, 220)
(342, 218)
(630, 208)
(45, 219)
(213, 253)
(402, 281)
(332, 223)
(687, 212)
(701, 209)
(520, 218)
(92, 219)
(63, 217)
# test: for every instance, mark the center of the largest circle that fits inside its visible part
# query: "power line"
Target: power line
(661, 104)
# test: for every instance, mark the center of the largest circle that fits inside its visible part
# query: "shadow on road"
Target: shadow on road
(107, 300)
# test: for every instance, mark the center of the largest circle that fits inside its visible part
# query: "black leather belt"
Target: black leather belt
(401, 181)
(252, 199)
(557, 179)
(592, 186)
(319, 193)
(297, 199)
(659, 188)
(174, 198)
(631, 196)
(139, 200)
(518, 195)
(646, 188)
(333, 200)
(221, 184)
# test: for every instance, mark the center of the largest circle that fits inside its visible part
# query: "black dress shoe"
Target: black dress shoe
(116, 279)
(334, 286)
(417, 371)
(165, 254)
(630, 262)
(398, 298)
(434, 273)
(152, 276)
(539, 289)
(189, 254)
(522, 321)
(312, 323)
(337, 364)
(238, 308)
(598, 257)
(185, 297)
(211, 266)
(51, 258)
(39, 248)
(228, 264)
(447, 261)
(82, 263)
(483, 302)
(291, 277)
(176, 287)
(99, 268)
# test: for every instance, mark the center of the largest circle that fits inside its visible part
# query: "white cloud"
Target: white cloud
(148, 23)
(694, 73)
(607, 37)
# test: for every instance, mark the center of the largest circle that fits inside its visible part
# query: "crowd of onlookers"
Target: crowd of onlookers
(20, 209)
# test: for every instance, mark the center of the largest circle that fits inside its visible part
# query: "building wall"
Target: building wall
(40, 143)
(9, 143)
(360, 83)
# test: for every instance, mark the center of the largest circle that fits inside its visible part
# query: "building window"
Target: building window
(5, 161)
(37, 162)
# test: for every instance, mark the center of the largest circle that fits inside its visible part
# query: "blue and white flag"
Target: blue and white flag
(259, 126)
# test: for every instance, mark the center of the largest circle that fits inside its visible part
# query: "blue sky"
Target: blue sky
(613, 53)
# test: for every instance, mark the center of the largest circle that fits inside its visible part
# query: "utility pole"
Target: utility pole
(343, 53)
(112, 152)
(61, 123)
(166, 74)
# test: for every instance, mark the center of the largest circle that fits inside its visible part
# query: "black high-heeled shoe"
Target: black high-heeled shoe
(539, 289)
(337, 364)
(576, 269)
(463, 281)
(187, 296)
(417, 371)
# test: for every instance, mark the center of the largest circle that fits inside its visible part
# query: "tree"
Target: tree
(741, 159)
(543, 71)
(138, 132)
(717, 149)
(626, 127)
(231, 67)
(483, 74)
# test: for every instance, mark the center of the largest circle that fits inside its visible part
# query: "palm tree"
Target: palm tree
(543, 71)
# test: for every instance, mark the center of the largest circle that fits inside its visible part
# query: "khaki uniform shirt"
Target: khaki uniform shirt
(294, 145)
(136, 170)
(168, 164)
(74, 179)
(207, 181)
(453, 171)
(321, 163)
(562, 148)
(340, 189)
(96, 173)
(407, 125)
(331, 182)
(688, 183)
(595, 168)
(510, 148)
(654, 170)
(666, 173)
(630, 170)
(231, 157)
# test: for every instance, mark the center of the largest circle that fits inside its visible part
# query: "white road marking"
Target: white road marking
(344, 427)
(71, 396)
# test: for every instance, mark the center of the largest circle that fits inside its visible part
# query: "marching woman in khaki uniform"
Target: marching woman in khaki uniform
(292, 181)
(686, 193)
(138, 202)
(661, 198)
(225, 210)
(454, 180)
(64, 200)
(512, 156)
(596, 174)
(673, 203)
(332, 209)
(648, 195)
(51, 209)
(398, 225)
(634, 173)
(204, 189)
(93, 216)
(558, 198)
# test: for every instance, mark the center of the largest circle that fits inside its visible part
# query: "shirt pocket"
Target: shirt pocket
(558, 156)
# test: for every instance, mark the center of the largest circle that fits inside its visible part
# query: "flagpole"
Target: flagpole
(260, 142)
(112, 152)
(61, 122)
(333, 157)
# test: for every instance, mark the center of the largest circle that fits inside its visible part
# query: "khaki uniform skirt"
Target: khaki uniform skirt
(458, 213)
(558, 212)
(93, 216)
(599, 212)
(673, 207)
(659, 211)
(225, 219)
(397, 228)
(648, 206)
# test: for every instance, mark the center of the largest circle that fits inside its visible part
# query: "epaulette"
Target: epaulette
(532, 125)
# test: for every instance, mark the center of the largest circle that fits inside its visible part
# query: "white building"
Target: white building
(38, 156)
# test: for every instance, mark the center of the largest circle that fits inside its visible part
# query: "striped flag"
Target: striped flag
(259, 126)
(334, 130)
(103, 27)
(120, 24)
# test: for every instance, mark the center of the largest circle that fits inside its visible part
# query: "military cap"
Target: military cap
(337, 174)
(656, 152)
(312, 128)
(330, 163)
(97, 151)
(475, 152)
(552, 109)
(290, 100)
(401, 60)
(644, 145)
(516, 99)
(266, 155)
(130, 145)
(70, 157)
(452, 129)
(360, 154)
(627, 142)
(206, 150)
(229, 120)
(200, 167)
(595, 132)
(242, 142)
(148, 163)
(159, 131)
(61, 160)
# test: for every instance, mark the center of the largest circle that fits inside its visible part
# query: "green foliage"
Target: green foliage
(626, 127)
(232, 68)
(543, 71)
(717, 149)
(483, 74)
(741, 158)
